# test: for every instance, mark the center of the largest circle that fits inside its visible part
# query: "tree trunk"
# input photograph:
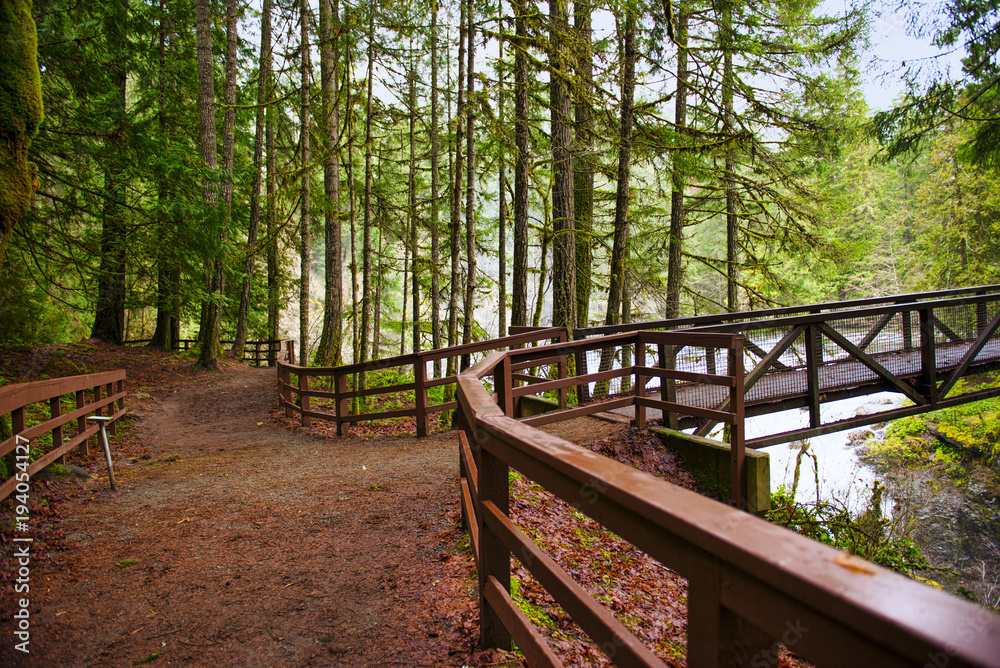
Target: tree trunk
(165, 294)
(412, 202)
(679, 176)
(563, 213)
(263, 87)
(208, 334)
(270, 210)
(228, 147)
(22, 89)
(583, 169)
(366, 246)
(305, 219)
(519, 278)
(469, 309)
(618, 252)
(502, 250)
(109, 319)
(456, 199)
(328, 353)
(729, 181)
(435, 207)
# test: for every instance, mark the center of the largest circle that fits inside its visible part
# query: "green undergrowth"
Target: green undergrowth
(868, 533)
(971, 435)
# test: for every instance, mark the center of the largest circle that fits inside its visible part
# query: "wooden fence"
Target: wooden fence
(269, 351)
(295, 397)
(71, 425)
(751, 584)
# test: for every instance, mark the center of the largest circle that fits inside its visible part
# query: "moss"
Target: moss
(20, 112)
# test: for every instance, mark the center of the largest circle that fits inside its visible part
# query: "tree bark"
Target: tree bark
(435, 206)
(366, 245)
(328, 353)
(208, 334)
(619, 258)
(305, 218)
(583, 169)
(412, 202)
(563, 213)
(679, 176)
(469, 309)
(729, 181)
(502, 186)
(519, 278)
(22, 105)
(263, 88)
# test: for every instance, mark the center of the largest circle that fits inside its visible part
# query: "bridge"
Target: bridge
(919, 345)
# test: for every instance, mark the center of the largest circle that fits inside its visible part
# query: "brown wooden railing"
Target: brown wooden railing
(295, 397)
(751, 584)
(918, 345)
(15, 399)
(268, 352)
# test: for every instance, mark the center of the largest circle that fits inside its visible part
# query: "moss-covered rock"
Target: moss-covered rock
(20, 112)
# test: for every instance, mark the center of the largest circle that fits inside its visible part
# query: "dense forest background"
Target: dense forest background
(373, 178)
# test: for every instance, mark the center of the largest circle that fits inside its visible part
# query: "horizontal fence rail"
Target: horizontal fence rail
(751, 584)
(803, 357)
(405, 380)
(67, 425)
(268, 351)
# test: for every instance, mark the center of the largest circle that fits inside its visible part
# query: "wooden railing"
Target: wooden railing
(751, 584)
(71, 425)
(268, 351)
(917, 345)
(295, 397)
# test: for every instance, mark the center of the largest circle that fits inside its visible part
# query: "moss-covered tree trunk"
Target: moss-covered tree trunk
(20, 113)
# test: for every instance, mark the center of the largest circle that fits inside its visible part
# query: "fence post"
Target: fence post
(563, 368)
(928, 356)
(738, 481)
(341, 403)
(502, 382)
(285, 376)
(420, 393)
(55, 410)
(639, 360)
(494, 559)
(304, 399)
(813, 348)
(81, 424)
(112, 429)
(582, 390)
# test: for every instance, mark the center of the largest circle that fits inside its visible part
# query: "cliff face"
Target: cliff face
(20, 113)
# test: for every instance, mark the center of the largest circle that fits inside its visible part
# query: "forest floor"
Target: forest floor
(236, 537)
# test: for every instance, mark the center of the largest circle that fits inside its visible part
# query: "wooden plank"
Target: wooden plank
(494, 560)
(596, 620)
(947, 331)
(446, 406)
(690, 376)
(813, 346)
(529, 641)
(580, 411)
(684, 409)
(22, 394)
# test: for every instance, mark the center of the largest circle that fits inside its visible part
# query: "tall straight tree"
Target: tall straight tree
(456, 194)
(678, 176)
(619, 260)
(729, 172)
(435, 185)
(305, 217)
(366, 245)
(208, 336)
(411, 187)
(502, 187)
(109, 319)
(563, 212)
(263, 86)
(470, 186)
(519, 278)
(328, 353)
(583, 167)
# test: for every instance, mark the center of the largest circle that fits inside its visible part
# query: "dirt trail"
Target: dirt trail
(240, 542)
